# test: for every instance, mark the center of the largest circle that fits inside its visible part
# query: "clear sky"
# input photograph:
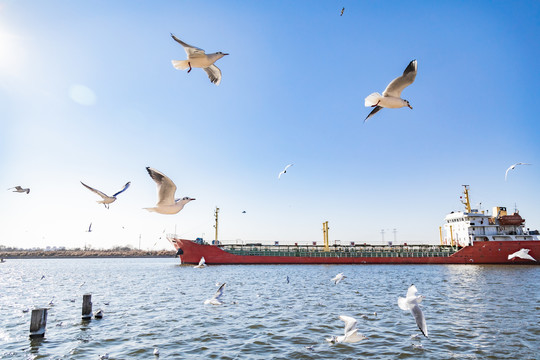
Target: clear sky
(88, 93)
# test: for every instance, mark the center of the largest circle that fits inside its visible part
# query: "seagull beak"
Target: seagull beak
(409, 105)
(225, 54)
(193, 199)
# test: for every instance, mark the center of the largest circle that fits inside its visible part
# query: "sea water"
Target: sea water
(472, 311)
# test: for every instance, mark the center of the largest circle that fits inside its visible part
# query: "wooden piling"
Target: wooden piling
(87, 307)
(38, 322)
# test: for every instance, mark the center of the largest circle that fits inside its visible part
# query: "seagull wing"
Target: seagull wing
(411, 292)
(373, 112)
(214, 74)
(398, 84)
(190, 50)
(18, 188)
(219, 292)
(350, 323)
(124, 189)
(507, 170)
(166, 187)
(420, 319)
(103, 195)
(402, 303)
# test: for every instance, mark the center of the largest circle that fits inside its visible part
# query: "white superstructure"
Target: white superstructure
(462, 228)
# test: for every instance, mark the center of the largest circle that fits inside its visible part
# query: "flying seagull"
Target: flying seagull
(411, 302)
(197, 58)
(166, 204)
(342, 10)
(202, 263)
(106, 199)
(19, 189)
(338, 278)
(351, 332)
(215, 299)
(89, 228)
(522, 254)
(284, 170)
(391, 97)
(512, 168)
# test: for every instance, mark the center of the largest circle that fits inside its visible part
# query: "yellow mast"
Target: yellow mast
(467, 203)
(440, 233)
(325, 236)
(216, 226)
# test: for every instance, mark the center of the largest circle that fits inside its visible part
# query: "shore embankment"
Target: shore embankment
(41, 254)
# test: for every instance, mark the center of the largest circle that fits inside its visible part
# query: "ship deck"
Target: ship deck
(341, 251)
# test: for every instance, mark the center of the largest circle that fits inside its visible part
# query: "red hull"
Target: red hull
(488, 252)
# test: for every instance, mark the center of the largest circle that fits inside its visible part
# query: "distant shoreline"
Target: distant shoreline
(41, 254)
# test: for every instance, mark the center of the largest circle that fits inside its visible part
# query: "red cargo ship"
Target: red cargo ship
(468, 237)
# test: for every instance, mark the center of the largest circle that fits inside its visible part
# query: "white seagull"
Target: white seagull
(19, 189)
(197, 58)
(284, 170)
(166, 204)
(411, 302)
(391, 97)
(106, 198)
(512, 167)
(351, 332)
(338, 278)
(522, 254)
(202, 263)
(215, 299)
(156, 352)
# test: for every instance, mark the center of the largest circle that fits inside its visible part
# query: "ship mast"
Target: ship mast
(216, 226)
(467, 203)
(325, 236)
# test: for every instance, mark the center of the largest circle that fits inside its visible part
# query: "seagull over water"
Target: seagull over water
(284, 171)
(197, 58)
(522, 254)
(106, 198)
(202, 263)
(215, 299)
(411, 302)
(166, 204)
(351, 332)
(19, 189)
(338, 278)
(512, 167)
(391, 97)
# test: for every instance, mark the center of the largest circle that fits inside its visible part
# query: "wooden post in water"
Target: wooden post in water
(87, 307)
(38, 322)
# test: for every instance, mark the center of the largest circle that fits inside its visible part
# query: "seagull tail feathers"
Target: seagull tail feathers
(372, 99)
(180, 64)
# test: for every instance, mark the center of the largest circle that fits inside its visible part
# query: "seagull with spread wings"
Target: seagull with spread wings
(284, 171)
(411, 302)
(166, 204)
(512, 167)
(106, 199)
(19, 189)
(197, 58)
(351, 332)
(391, 97)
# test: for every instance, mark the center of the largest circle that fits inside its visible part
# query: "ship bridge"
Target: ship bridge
(463, 228)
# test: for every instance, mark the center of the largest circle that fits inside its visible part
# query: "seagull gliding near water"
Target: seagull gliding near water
(351, 332)
(215, 299)
(410, 302)
(391, 97)
(197, 58)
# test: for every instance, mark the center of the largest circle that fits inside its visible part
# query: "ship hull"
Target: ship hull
(485, 252)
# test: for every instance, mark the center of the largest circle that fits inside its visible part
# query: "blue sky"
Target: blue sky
(292, 91)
